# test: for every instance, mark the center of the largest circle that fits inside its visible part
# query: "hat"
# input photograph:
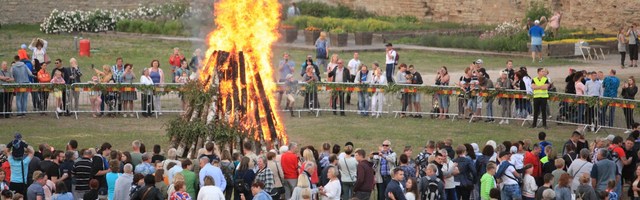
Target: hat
(536, 22)
(38, 175)
(476, 149)
(23, 46)
(504, 153)
(388, 45)
(610, 137)
(513, 149)
(348, 143)
(18, 136)
(479, 61)
(492, 143)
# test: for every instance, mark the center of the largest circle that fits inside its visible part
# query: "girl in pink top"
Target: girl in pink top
(580, 88)
(57, 93)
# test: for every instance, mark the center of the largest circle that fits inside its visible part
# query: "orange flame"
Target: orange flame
(249, 26)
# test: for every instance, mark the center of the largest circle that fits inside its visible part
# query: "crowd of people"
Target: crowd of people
(33, 69)
(522, 169)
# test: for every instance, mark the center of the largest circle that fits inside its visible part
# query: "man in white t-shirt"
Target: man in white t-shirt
(510, 187)
(354, 66)
(390, 61)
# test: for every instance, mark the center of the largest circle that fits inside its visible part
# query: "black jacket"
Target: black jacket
(152, 194)
(346, 76)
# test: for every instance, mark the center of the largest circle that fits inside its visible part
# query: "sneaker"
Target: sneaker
(627, 132)
(501, 122)
(132, 115)
(58, 110)
(592, 128)
(124, 115)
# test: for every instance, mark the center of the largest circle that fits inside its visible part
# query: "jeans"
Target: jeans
(351, 79)
(581, 108)
(490, 109)
(406, 100)
(506, 107)
(389, 70)
(604, 116)
(383, 186)
(35, 101)
(21, 102)
(510, 192)
(363, 195)
(464, 192)
(472, 104)
(363, 103)
(347, 189)
(76, 98)
(450, 194)
(539, 107)
(44, 101)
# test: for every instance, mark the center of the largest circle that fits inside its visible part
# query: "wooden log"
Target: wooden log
(267, 106)
(243, 82)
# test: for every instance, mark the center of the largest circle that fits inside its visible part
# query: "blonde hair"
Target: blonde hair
(323, 35)
(305, 194)
(335, 58)
(307, 154)
(303, 181)
(106, 69)
(178, 177)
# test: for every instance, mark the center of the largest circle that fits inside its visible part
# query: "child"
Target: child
(548, 178)
(611, 191)
(3, 185)
(94, 97)
(585, 190)
(488, 182)
(184, 78)
(559, 163)
(530, 187)
(292, 88)
(17, 146)
(542, 136)
(57, 93)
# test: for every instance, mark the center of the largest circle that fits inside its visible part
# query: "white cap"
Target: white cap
(479, 61)
(536, 22)
(514, 149)
(476, 149)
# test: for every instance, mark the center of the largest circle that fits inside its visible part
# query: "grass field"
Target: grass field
(364, 132)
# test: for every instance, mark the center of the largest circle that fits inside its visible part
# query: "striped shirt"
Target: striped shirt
(82, 172)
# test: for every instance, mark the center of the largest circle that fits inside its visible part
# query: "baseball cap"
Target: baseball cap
(348, 143)
(23, 46)
(479, 61)
(536, 22)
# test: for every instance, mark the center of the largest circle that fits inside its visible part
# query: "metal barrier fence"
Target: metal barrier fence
(444, 102)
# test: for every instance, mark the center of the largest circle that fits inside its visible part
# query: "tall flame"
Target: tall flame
(248, 26)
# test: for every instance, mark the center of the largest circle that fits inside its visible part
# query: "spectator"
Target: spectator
(378, 99)
(416, 97)
(94, 97)
(442, 79)
(36, 189)
(74, 77)
(207, 169)
(57, 93)
(293, 10)
(563, 190)
(558, 172)
(289, 161)
(136, 184)
(123, 183)
(157, 156)
(136, 156)
(157, 76)
(530, 187)
(311, 97)
(209, 191)
(128, 97)
(112, 177)
(196, 61)
(145, 167)
(61, 192)
(363, 76)
(547, 185)
(620, 158)
(508, 174)
(258, 193)
(365, 176)
(149, 191)
(487, 182)
(485, 84)
(83, 172)
(146, 97)
(333, 162)
(504, 83)
(322, 51)
(190, 178)
(291, 91)
(348, 168)
(629, 90)
(20, 74)
(628, 171)
(243, 179)
(390, 61)
(285, 67)
(610, 85)
(578, 168)
(466, 175)
(341, 75)
(44, 77)
(39, 48)
(384, 160)
(622, 48)
(174, 61)
(585, 190)
(264, 174)
(307, 158)
(603, 171)
(159, 176)
(633, 33)
(332, 189)
(6, 76)
(354, 66)
(303, 184)
(536, 33)
(210, 148)
(275, 167)
(22, 52)
(395, 190)
(19, 165)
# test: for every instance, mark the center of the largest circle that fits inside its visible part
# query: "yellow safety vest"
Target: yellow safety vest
(540, 93)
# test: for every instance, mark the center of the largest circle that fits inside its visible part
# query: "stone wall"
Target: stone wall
(34, 11)
(604, 15)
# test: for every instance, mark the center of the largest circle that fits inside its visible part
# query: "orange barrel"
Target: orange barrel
(85, 47)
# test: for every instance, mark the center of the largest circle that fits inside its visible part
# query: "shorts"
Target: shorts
(57, 93)
(536, 48)
(290, 98)
(444, 101)
(416, 97)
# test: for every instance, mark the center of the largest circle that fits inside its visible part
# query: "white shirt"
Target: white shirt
(391, 60)
(410, 196)
(447, 169)
(527, 83)
(577, 168)
(348, 167)
(509, 172)
(353, 66)
(530, 187)
(146, 80)
(332, 190)
(517, 160)
(210, 192)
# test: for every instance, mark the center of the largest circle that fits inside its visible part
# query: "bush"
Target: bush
(318, 9)
(171, 27)
(535, 11)
(502, 43)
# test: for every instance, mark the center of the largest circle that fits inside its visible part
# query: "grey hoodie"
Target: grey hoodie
(20, 72)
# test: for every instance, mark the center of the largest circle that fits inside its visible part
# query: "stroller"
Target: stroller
(435, 104)
(111, 100)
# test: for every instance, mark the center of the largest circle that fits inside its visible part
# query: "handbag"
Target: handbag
(348, 170)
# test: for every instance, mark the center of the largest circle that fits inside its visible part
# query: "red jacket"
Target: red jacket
(529, 158)
(289, 163)
(175, 60)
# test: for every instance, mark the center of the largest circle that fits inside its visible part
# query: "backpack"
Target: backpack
(502, 168)
(227, 171)
(612, 155)
(241, 186)
(430, 189)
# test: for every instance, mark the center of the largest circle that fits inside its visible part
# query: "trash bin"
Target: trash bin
(85, 47)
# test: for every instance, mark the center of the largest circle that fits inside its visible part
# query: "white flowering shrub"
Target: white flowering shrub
(100, 20)
(505, 29)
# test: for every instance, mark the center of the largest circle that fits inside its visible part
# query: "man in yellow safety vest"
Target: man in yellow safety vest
(540, 88)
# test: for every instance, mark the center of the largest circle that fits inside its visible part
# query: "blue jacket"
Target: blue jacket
(611, 84)
(396, 188)
(467, 171)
